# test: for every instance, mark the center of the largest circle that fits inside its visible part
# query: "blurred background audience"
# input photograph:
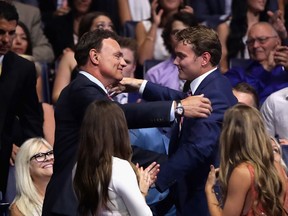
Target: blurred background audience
(254, 58)
(267, 69)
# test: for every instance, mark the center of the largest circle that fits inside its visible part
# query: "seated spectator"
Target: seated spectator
(129, 50)
(275, 113)
(166, 73)
(246, 94)
(62, 31)
(148, 32)
(34, 168)
(104, 180)
(268, 70)
(67, 70)
(41, 48)
(249, 175)
(279, 155)
(233, 33)
(22, 45)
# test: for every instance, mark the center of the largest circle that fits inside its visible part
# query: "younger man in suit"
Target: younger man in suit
(18, 96)
(194, 147)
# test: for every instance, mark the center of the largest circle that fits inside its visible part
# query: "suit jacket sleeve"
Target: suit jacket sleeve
(154, 92)
(138, 115)
(28, 110)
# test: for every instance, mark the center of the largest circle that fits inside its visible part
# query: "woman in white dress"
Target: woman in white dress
(105, 182)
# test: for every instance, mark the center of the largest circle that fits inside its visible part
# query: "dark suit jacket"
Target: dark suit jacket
(193, 150)
(69, 111)
(18, 98)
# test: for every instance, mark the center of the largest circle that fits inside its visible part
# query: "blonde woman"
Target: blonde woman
(34, 168)
(251, 180)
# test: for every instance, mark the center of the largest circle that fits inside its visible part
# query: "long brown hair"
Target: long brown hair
(244, 140)
(103, 134)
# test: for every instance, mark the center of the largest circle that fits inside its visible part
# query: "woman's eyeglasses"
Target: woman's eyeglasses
(40, 157)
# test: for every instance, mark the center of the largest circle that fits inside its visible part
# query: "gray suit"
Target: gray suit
(31, 17)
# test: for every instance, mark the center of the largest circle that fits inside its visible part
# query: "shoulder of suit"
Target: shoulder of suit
(18, 61)
(22, 60)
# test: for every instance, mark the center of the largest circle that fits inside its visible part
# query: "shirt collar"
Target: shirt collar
(196, 82)
(94, 80)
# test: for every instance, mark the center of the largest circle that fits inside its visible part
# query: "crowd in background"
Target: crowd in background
(50, 52)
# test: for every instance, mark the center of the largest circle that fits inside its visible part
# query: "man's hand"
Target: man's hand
(197, 106)
(15, 149)
(127, 84)
(281, 56)
(277, 21)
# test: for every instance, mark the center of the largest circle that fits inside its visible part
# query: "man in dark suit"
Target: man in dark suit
(18, 96)
(195, 147)
(101, 62)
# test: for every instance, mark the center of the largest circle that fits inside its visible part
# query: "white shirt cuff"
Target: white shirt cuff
(172, 111)
(142, 87)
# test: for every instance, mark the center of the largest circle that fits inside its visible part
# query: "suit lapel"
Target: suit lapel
(206, 81)
(84, 79)
(176, 134)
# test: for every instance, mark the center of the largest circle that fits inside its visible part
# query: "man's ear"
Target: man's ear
(94, 56)
(206, 59)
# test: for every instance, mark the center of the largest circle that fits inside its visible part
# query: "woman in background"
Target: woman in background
(252, 182)
(34, 168)
(233, 33)
(22, 45)
(148, 32)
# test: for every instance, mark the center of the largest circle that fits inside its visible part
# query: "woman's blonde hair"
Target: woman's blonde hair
(27, 199)
(244, 140)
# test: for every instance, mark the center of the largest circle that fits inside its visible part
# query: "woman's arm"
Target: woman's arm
(223, 31)
(238, 187)
(124, 11)
(146, 40)
(126, 186)
(63, 74)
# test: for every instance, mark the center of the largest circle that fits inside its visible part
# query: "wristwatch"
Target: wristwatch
(179, 110)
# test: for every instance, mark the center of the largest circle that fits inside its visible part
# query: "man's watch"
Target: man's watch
(179, 110)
